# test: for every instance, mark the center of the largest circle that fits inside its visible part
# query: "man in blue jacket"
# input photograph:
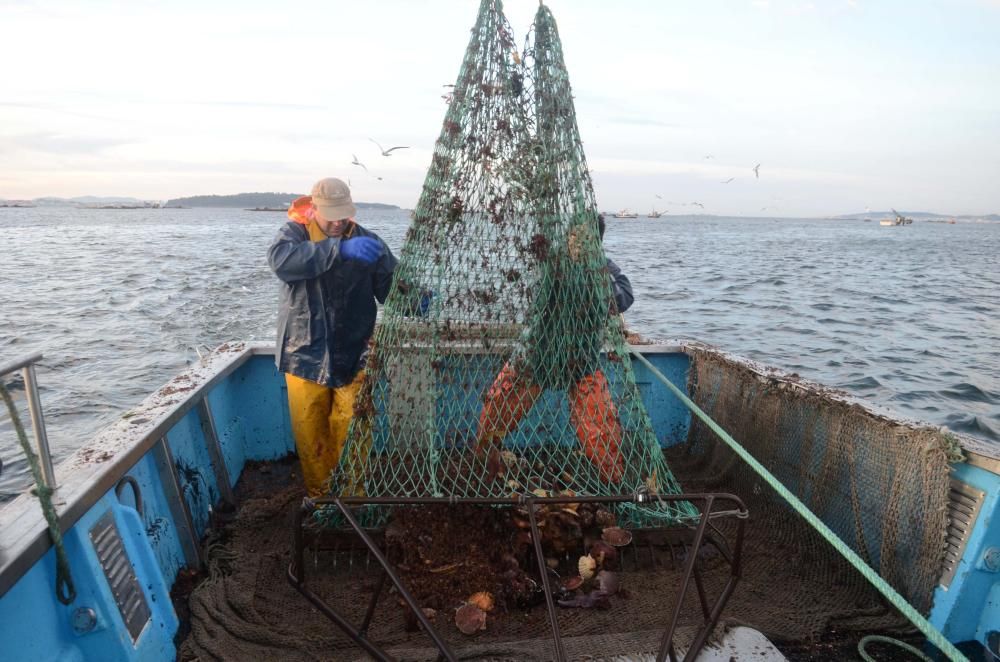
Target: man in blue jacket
(332, 271)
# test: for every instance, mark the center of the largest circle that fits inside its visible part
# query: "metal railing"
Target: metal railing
(27, 367)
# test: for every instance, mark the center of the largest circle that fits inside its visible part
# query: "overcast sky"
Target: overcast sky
(846, 104)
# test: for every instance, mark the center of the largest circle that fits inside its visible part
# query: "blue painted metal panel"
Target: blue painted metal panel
(35, 626)
(671, 419)
(250, 409)
(970, 607)
(194, 468)
(157, 521)
(227, 411)
(264, 412)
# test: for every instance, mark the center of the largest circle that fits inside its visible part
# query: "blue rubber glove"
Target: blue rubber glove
(425, 303)
(362, 249)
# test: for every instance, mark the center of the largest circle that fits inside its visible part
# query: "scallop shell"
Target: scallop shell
(604, 518)
(605, 555)
(587, 566)
(616, 536)
(470, 619)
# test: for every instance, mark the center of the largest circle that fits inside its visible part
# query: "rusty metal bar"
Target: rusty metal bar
(296, 574)
(536, 539)
(668, 636)
(371, 606)
(403, 591)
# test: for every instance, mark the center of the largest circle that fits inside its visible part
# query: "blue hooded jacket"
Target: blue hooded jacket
(327, 311)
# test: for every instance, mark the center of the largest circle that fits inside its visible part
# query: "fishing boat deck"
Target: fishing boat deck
(243, 607)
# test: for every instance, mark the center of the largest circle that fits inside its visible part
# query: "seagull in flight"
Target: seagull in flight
(728, 180)
(709, 156)
(358, 163)
(756, 172)
(388, 152)
(659, 197)
(699, 204)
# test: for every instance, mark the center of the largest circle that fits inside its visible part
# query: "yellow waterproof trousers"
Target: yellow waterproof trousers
(320, 416)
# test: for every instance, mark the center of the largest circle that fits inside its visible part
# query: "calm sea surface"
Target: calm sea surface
(121, 300)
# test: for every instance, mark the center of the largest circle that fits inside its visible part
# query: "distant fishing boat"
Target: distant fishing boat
(898, 220)
(654, 214)
(625, 213)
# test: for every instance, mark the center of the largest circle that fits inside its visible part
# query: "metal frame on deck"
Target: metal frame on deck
(359, 634)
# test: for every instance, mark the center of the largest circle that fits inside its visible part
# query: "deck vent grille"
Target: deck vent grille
(964, 503)
(121, 577)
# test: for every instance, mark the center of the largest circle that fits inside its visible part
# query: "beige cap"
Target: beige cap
(333, 199)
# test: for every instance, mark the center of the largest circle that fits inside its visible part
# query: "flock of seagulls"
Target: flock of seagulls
(756, 174)
(383, 151)
(386, 153)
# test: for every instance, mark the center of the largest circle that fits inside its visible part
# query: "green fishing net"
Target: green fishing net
(500, 364)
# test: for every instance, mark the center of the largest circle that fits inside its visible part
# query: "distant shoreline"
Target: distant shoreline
(235, 201)
(281, 201)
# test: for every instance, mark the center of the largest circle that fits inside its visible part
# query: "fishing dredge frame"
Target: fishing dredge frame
(702, 531)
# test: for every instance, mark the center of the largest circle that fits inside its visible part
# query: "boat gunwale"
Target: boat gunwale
(977, 452)
(118, 447)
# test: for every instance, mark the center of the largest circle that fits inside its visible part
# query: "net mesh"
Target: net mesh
(880, 485)
(500, 363)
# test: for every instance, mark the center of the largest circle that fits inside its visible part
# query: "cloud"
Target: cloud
(257, 104)
(51, 108)
(713, 171)
(56, 143)
(644, 121)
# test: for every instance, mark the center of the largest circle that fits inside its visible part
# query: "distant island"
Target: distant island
(255, 200)
(280, 201)
(918, 215)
